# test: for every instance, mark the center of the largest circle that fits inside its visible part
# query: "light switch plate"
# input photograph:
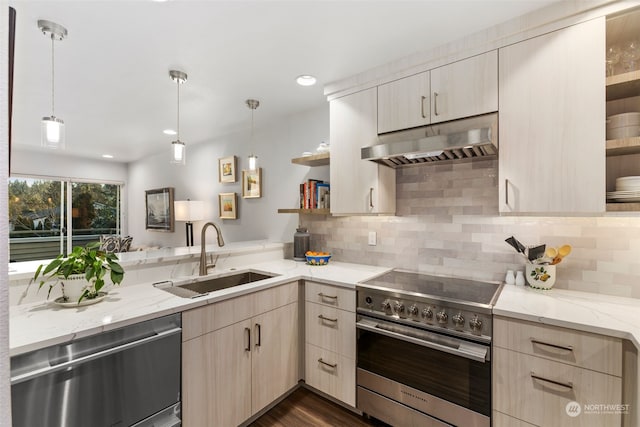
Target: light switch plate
(372, 238)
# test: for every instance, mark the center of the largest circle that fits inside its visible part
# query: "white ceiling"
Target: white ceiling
(112, 84)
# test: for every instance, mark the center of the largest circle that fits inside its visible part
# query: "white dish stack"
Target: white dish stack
(627, 190)
(625, 125)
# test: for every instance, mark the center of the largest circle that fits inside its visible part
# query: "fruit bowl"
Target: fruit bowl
(541, 276)
(317, 258)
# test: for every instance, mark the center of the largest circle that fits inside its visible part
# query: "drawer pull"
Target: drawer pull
(328, 319)
(331, 365)
(567, 385)
(559, 347)
(324, 296)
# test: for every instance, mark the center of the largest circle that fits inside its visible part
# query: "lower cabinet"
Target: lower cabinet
(331, 373)
(330, 337)
(555, 377)
(231, 373)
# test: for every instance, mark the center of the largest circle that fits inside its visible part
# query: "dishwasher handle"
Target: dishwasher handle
(93, 356)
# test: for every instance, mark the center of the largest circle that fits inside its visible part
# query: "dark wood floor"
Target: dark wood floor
(304, 408)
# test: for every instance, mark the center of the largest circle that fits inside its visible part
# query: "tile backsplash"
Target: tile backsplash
(448, 223)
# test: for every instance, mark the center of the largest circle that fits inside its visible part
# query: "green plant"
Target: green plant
(87, 260)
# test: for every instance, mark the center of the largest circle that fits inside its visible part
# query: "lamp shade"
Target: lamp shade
(189, 210)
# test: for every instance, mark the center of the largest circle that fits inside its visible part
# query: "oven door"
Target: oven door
(445, 377)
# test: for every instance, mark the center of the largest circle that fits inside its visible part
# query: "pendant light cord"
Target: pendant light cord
(178, 84)
(52, 77)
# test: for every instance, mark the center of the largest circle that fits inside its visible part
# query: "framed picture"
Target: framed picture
(159, 209)
(227, 169)
(252, 183)
(228, 205)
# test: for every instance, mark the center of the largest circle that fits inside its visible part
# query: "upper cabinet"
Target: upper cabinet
(404, 103)
(358, 186)
(461, 89)
(552, 130)
(465, 88)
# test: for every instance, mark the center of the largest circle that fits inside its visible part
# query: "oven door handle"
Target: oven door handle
(466, 349)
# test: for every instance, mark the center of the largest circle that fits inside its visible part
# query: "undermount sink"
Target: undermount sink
(204, 287)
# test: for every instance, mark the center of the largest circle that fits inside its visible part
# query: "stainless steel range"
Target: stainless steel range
(424, 349)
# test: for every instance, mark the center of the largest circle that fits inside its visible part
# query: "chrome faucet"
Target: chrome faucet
(204, 267)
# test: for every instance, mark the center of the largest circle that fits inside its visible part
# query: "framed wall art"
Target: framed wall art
(228, 205)
(252, 183)
(159, 209)
(227, 169)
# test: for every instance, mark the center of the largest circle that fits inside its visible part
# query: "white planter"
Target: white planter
(74, 286)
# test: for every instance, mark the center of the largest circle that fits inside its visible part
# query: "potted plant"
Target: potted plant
(82, 273)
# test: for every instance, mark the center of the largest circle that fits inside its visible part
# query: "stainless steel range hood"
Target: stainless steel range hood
(461, 139)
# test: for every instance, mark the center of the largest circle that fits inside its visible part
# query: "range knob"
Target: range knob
(442, 317)
(413, 310)
(458, 320)
(398, 307)
(475, 324)
(427, 314)
(386, 306)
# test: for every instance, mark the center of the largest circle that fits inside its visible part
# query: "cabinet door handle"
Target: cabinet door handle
(371, 197)
(328, 319)
(567, 385)
(324, 296)
(248, 347)
(559, 347)
(422, 106)
(506, 191)
(331, 365)
(435, 103)
(259, 339)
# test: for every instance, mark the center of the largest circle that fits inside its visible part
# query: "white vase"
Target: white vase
(74, 286)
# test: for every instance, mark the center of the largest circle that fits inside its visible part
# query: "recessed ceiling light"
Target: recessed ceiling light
(169, 132)
(306, 80)
(107, 156)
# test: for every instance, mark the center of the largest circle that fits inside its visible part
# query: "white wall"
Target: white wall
(63, 165)
(274, 144)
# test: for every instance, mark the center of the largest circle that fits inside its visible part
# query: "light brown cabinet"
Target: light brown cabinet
(465, 88)
(461, 89)
(358, 186)
(404, 103)
(552, 153)
(539, 371)
(330, 336)
(239, 355)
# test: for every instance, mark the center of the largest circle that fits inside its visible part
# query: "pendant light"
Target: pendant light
(52, 128)
(253, 159)
(178, 148)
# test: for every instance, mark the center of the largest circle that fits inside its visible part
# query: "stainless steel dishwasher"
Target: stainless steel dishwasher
(125, 377)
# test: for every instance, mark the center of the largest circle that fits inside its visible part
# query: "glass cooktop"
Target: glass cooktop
(436, 286)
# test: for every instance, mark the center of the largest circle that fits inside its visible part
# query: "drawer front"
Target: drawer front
(592, 351)
(202, 320)
(502, 420)
(337, 380)
(331, 329)
(332, 296)
(539, 391)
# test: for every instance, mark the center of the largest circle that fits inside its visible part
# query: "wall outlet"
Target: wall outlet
(372, 238)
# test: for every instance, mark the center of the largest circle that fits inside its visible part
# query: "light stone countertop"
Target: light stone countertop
(602, 314)
(38, 325)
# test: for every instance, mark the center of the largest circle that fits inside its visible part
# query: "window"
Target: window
(48, 217)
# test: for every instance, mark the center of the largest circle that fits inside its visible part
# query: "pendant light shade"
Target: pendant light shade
(178, 148)
(52, 133)
(253, 159)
